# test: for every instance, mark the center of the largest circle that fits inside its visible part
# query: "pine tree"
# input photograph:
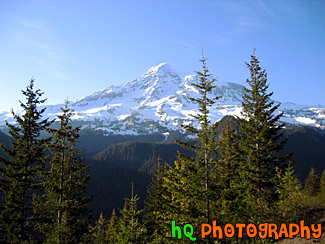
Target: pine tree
(228, 176)
(99, 231)
(131, 229)
(322, 186)
(184, 195)
(63, 206)
(205, 133)
(312, 183)
(20, 174)
(112, 229)
(192, 182)
(290, 202)
(155, 205)
(261, 143)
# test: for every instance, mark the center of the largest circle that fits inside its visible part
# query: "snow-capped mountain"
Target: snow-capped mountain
(158, 101)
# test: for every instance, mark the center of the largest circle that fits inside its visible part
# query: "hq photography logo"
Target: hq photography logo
(264, 230)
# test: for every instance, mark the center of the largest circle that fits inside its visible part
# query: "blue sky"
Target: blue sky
(74, 48)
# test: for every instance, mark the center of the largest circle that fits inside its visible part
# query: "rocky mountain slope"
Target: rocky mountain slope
(158, 101)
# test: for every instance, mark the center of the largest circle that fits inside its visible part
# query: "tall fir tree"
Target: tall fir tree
(261, 145)
(183, 197)
(99, 231)
(155, 205)
(289, 206)
(131, 229)
(229, 181)
(20, 174)
(192, 183)
(322, 186)
(112, 229)
(64, 206)
(312, 183)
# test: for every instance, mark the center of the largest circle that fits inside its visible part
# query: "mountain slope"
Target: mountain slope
(158, 101)
(4, 140)
(305, 142)
(119, 164)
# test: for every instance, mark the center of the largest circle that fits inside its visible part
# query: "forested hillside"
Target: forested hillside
(138, 159)
(307, 143)
(236, 170)
(129, 159)
(5, 140)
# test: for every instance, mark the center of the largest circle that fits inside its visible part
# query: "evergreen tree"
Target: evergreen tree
(260, 147)
(312, 183)
(183, 197)
(155, 205)
(228, 177)
(112, 229)
(205, 133)
(192, 182)
(322, 186)
(20, 174)
(63, 206)
(290, 203)
(99, 231)
(131, 229)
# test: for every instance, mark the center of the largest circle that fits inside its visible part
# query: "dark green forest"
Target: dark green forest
(61, 184)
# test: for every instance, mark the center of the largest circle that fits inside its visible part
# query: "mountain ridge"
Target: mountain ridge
(157, 101)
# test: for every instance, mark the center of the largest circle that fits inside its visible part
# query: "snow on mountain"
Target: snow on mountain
(158, 101)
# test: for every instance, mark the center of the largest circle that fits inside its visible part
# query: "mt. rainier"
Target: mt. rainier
(158, 102)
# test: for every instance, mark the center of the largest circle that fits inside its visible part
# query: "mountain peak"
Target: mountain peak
(157, 101)
(161, 69)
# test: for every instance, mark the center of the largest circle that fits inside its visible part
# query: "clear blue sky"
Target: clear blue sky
(74, 48)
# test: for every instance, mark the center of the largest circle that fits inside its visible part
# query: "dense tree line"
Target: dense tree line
(43, 181)
(242, 176)
(110, 181)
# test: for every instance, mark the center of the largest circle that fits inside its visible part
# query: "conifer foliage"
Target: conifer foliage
(228, 176)
(99, 232)
(290, 203)
(64, 206)
(312, 183)
(112, 229)
(322, 185)
(240, 177)
(20, 174)
(131, 229)
(155, 206)
(261, 142)
(191, 184)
